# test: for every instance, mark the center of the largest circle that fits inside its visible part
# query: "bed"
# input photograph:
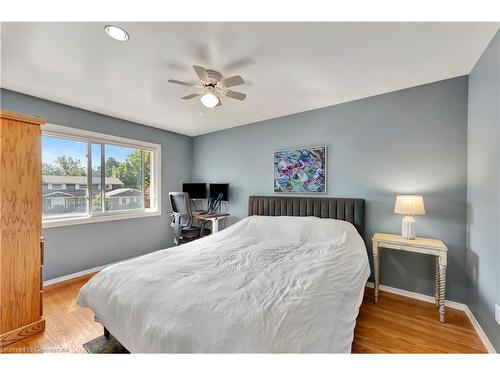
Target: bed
(288, 278)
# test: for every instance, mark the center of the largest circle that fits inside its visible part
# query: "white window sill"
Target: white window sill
(54, 223)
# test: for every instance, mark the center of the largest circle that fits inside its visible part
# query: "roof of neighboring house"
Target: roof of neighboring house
(48, 179)
(123, 192)
(60, 194)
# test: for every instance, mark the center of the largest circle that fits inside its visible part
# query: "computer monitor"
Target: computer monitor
(216, 189)
(195, 190)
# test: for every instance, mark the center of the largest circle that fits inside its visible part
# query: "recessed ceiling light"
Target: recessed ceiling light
(209, 100)
(116, 33)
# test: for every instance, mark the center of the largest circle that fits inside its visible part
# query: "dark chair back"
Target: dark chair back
(181, 207)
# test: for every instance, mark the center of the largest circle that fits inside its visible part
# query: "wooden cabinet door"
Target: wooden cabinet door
(20, 223)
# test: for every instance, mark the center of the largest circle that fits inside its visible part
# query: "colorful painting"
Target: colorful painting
(300, 171)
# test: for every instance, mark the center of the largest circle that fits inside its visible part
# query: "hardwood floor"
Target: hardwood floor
(398, 324)
(395, 325)
(68, 326)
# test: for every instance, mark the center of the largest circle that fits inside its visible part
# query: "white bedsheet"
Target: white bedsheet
(265, 284)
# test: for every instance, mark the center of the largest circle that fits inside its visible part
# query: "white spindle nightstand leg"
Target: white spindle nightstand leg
(436, 280)
(442, 286)
(376, 270)
(215, 225)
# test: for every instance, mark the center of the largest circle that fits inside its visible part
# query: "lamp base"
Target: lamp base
(408, 228)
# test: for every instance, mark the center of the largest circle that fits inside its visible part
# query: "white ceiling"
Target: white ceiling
(289, 67)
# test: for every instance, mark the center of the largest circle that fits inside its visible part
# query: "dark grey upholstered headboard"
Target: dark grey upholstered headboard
(347, 209)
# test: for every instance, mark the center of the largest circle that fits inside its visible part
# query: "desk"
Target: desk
(420, 245)
(214, 218)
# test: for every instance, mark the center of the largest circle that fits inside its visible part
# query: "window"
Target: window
(62, 160)
(128, 164)
(89, 177)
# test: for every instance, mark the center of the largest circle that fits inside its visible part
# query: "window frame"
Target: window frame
(93, 137)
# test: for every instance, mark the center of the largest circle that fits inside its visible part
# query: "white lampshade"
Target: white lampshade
(409, 205)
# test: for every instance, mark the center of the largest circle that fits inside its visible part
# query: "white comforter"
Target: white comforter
(265, 284)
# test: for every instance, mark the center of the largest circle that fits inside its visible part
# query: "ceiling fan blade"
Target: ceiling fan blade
(235, 95)
(180, 82)
(240, 63)
(232, 81)
(191, 96)
(201, 72)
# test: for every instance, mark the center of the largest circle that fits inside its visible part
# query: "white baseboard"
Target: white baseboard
(419, 296)
(81, 273)
(455, 305)
(479, 330)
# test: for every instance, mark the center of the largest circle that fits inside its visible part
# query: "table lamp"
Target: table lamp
(409, 205)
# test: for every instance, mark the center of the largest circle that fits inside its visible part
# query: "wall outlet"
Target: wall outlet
(497, 313)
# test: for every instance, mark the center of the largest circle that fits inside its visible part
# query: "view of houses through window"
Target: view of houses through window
(120, 178)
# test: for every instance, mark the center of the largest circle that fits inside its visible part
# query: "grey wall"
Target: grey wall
(483, 198)
(75, 248)
(412, 141)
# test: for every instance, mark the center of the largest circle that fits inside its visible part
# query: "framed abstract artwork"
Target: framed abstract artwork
(300, 170)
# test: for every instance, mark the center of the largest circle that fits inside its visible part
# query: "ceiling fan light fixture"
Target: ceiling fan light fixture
(209, 100)
(116, 33)
(212, 86)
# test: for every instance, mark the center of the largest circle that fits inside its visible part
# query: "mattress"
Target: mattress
(263, 285)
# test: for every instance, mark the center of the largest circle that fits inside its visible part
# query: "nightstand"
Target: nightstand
(419, 245)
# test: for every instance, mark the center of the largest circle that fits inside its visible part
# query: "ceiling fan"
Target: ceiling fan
(212, 86)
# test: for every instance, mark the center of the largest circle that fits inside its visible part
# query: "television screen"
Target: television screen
(195, 191)
(216, 189)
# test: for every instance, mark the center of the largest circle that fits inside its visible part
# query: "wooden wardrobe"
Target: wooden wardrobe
(21, 248)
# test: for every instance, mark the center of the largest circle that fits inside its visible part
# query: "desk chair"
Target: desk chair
(182, 222)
